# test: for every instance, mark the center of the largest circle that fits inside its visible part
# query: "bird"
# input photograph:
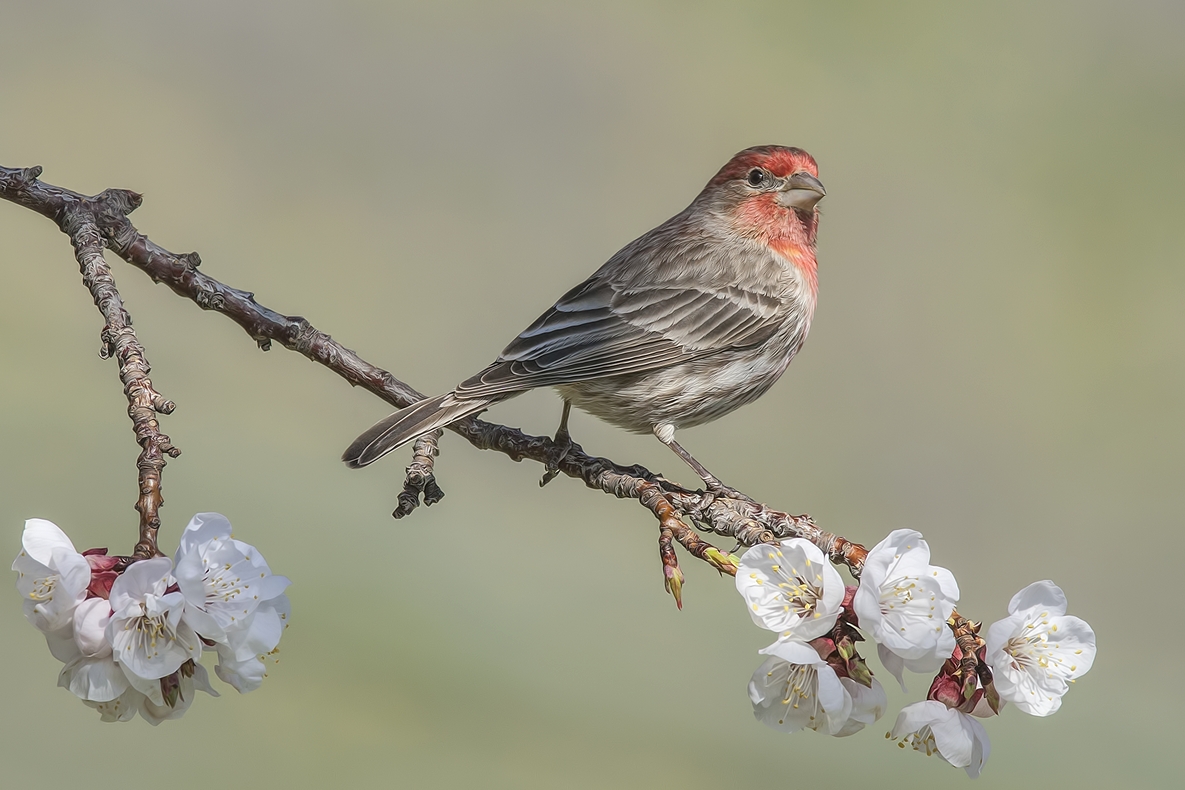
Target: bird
(690, 321)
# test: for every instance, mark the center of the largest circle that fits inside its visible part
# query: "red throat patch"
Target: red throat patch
(785, 231)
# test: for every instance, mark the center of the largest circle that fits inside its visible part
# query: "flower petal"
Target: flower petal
(90, 627)
(202, 528)
(833, 698)
(243, 676)
(894, 663)
(41, 537)
(793, 652)
(954, 737)
(261, 632)
(1044, 594)
(868, 705)
(946, 581)
(94, 679)
(140, 579)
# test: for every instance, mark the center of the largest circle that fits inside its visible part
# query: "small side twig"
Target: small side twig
(419, 479)
(673, 528)
(119, 341)
(970, 645)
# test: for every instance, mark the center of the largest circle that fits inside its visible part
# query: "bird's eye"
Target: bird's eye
(756, 177)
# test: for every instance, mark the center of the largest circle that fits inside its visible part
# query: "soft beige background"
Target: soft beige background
(997, 360)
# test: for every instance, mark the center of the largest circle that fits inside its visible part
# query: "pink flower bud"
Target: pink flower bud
(103, 573)
(947, 690)
(823, 645)
(99, 561)
(100, 586)
(847, 613)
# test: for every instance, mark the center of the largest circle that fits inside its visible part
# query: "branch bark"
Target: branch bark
(120, 341)
(420, 478)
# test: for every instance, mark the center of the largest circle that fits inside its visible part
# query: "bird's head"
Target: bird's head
(769, 191)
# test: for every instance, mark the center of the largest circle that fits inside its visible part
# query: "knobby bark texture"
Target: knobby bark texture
(119, 341)
(95, 222)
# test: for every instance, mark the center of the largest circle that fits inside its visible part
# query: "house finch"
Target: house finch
(692, 320)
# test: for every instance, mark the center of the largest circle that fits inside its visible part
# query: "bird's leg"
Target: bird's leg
(713, 487)
(563, 443)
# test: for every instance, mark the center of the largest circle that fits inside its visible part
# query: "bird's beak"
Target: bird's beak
(802, 191)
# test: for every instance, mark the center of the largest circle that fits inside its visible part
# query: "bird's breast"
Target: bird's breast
(694, 392)
(802, 266)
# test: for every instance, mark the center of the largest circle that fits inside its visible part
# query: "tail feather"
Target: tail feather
(406, 424)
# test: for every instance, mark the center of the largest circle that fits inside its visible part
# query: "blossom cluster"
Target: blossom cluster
(815, 679)
(131, 640)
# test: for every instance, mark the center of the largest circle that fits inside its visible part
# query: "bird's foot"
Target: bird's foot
(562, 445)
(718, 489)
(713, 490)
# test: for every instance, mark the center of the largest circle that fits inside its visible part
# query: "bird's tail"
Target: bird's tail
(406, 424)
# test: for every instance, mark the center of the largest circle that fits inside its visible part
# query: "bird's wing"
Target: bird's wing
(605, 328)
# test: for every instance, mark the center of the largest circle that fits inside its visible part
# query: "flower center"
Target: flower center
(220, 586)
(800, 685)
(148, 630)
(904, 597)
(921, 741)
(43, 588)
(801, 591)
(1032, 650)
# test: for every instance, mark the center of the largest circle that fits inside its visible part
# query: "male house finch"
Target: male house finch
(692, 320)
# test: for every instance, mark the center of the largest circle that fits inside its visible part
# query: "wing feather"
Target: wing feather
(624, 320)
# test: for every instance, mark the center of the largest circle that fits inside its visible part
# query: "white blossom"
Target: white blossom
(904, 602)
(795, 689)
(222, 579)
(791, 589)
(149, 638)
(133, 645)
(242, 661)
(53, 576)
(1038, 650)
(233, 599)
(932, 728)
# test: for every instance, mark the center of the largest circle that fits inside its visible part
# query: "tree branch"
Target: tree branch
(674, 507)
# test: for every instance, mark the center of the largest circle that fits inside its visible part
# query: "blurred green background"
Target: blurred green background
(997, 360)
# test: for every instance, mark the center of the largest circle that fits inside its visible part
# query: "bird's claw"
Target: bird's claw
(563, 445)
(717, 490)
(713, 490)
